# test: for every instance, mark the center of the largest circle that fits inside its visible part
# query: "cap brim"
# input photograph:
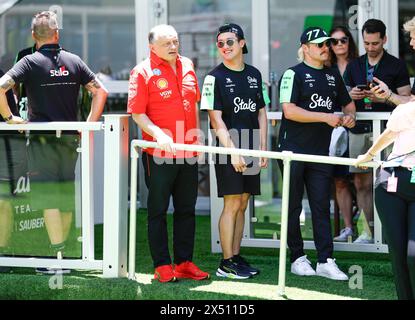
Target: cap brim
(320, 40)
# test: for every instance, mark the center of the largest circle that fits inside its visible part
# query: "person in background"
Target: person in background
(382, 91)
(359, 76)
(342, 50)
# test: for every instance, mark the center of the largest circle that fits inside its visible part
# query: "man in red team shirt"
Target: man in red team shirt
(163, 96)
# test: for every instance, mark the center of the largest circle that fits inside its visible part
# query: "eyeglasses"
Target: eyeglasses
(343, 40)
(322, 44)
(228, 42)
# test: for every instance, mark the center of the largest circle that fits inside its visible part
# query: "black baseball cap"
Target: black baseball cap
(314, 35)
(234, 28)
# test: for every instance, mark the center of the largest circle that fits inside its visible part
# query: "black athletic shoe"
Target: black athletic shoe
(5, 269)
(241, 261)
(231, 270)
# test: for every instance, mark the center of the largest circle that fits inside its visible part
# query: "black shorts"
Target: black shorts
(51, 164)
(340, 171)
(230, 182)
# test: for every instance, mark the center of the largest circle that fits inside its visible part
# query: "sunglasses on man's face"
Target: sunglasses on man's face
(228, 42)
(322, 44)
(343, 40)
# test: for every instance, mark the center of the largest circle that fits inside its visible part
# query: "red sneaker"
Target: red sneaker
(165, 273)
(190, 271)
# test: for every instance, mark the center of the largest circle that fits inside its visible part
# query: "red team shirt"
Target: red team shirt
(167, 98)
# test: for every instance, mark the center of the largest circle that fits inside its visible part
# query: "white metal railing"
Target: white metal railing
(287, 157)
(115, 161)
(249, 240)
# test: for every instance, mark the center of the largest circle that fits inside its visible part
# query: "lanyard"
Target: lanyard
(369, 75)
(399, 159)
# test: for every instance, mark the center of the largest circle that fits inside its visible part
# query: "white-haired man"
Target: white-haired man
(163, 96)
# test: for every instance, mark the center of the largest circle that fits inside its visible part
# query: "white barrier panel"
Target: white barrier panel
(287, 157)
(114, 261)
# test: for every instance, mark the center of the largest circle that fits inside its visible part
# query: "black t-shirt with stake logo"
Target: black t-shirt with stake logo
(239, 95)
(315, 90)
(52, 78)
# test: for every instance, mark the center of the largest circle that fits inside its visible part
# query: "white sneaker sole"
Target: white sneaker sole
(223, 274)
(304, 275)
(324, 275)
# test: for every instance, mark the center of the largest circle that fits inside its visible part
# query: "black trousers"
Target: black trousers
(317, 179)
(397, 214)
(179, 180)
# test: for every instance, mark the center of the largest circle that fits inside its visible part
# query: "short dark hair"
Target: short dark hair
(374, 26)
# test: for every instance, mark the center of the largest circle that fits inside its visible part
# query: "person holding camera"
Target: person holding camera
(359, 76)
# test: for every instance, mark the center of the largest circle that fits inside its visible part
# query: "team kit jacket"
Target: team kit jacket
(167, 98)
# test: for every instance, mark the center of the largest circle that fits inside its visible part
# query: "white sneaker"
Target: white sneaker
(331, 270)
(302, 267)
(344, 235)
(364, 238)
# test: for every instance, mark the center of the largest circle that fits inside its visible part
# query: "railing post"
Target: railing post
(115, 196)
(87, 199)
(284, 222)
(133, 212)
(377, 227)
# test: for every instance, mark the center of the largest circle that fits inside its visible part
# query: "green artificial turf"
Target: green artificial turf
(377, 277)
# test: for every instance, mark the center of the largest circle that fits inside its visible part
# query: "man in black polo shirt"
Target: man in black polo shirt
(360, 73)
(52, 78)
(310, 93)
(19, 88)
(382, 91)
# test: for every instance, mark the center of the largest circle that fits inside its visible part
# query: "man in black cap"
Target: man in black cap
(310, 93)
(235, 97)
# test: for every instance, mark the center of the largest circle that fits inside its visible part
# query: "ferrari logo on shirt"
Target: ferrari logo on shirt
(162, 84)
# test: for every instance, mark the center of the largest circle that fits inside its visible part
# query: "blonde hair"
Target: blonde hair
(300, 54)
(409, 26)
(44, 25)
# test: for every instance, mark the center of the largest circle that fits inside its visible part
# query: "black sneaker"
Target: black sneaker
(52, 271)
(241, 261)
(5, 269)
(231, 270)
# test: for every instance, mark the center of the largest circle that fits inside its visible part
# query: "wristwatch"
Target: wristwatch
(8, 118)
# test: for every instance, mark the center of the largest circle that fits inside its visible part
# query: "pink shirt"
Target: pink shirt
(402, 121)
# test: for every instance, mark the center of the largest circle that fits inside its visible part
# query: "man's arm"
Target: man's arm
(263, 127)
(99, 97)
(382, 91)
(385, 139)
(224, 137)
(6, 83)
(295, 113)
(349, 118)
(163, 140)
